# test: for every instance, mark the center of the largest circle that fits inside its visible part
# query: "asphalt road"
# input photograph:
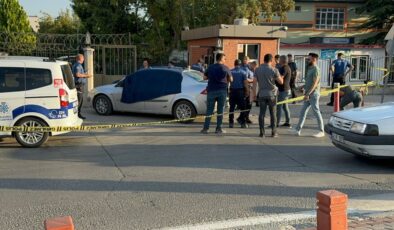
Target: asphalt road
(167, 176)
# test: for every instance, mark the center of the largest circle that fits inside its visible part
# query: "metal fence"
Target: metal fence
(365, 68)
(114, 55)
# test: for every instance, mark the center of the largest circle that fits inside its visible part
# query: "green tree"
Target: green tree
(381, 17)
(278, 8)
(66, 23)
(15, 28)
(114, 16)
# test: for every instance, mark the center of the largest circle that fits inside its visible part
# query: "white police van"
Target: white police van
(36, 92)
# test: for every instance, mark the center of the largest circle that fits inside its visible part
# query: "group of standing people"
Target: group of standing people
(267, 84)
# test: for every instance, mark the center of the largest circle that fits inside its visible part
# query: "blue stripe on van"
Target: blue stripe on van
(49, 113)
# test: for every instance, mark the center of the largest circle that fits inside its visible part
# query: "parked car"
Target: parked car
(36, 92)
(188, 102)
(365, 131)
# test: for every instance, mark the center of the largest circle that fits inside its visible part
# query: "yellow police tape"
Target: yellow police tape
(86, 128)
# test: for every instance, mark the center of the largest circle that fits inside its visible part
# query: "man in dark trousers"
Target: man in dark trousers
(250, 75)
(284, 91)
(239, 91)
(293, 67)
(80, 81)
(218, 76)
(340, 68)
(349, 95)
(266, 76)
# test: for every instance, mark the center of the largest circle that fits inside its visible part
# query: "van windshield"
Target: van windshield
(68, 76)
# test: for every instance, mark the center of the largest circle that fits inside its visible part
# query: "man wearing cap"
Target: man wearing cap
(239, 90)
(311, 96)
(340, 68)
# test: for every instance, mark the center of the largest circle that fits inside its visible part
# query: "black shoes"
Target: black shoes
(82, 117)
(204, 131)
(220, 131)
(330, 104)
(286, 125)
(231, 125)
(248, 121)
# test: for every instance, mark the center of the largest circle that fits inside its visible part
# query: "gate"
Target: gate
(114, 55)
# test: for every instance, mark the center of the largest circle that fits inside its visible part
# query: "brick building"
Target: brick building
(235, 41)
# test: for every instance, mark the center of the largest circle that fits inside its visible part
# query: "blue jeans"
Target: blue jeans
(283, 95)
(218, 96)
(314, 104)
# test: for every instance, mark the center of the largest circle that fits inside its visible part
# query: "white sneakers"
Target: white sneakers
(295, 132)
(319, 135)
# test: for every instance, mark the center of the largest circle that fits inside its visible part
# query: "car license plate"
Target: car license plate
(338, 138)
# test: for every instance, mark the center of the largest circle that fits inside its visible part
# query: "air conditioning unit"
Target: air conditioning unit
(241, 21)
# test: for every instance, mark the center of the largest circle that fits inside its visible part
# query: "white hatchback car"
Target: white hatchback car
(154, 93)
(36, 92)
(365, 131)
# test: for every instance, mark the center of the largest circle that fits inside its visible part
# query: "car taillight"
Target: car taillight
(63, 98)
(204, 92)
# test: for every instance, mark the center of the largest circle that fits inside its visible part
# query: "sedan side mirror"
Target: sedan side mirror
(119, 84)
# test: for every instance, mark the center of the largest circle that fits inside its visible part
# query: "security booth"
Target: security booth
(236, 41)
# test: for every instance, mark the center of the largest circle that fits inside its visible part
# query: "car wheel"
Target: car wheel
(184, 110)
(102, 104)
(31, 139)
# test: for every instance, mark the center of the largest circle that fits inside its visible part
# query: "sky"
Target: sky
(34, 7)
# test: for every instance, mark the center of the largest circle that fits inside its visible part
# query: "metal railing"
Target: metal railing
(367, 69)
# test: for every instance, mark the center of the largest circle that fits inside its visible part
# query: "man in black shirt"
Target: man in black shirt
(293, 67)
(284, 91)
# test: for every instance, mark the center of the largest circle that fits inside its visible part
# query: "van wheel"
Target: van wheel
(184, 110)
(31, 139)
(102, 104)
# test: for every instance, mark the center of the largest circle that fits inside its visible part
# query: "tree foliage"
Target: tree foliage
(158, 23)
(14, 24)
(381, 16)
(66, 23)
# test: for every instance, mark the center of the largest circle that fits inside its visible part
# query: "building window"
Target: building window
(250, 50)
(330, 18)
(297, 9)
(360, 71)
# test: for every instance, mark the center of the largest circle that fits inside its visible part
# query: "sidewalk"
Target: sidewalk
(366, 223)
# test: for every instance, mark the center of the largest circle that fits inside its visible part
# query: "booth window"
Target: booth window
(360, 71)
(330, 18)
(250, 50)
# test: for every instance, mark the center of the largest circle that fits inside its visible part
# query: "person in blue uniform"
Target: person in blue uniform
(239, 91)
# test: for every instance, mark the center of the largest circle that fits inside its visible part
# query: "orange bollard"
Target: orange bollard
(336, 97)
(59, 223)
(332, 210)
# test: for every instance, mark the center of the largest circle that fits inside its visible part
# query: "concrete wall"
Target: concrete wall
(302, 24)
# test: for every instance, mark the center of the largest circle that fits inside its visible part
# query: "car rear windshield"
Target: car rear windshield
(68, 76)
(195, 75)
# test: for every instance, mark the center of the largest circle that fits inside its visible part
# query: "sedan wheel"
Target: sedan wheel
(184, 110)
(102, 105)
(31, 139)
